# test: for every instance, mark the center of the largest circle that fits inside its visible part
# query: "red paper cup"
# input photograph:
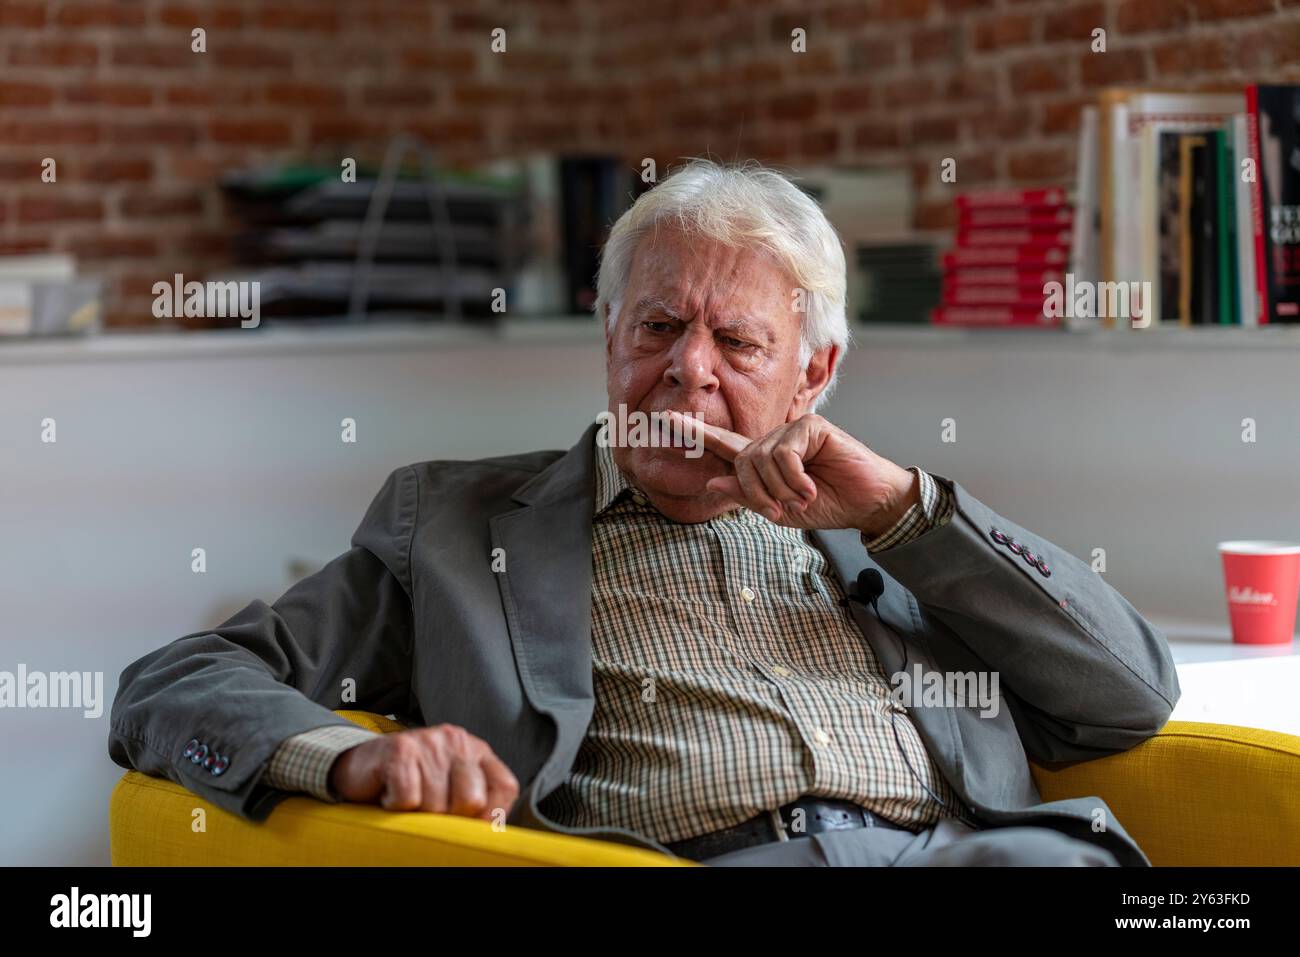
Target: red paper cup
(1262, 580)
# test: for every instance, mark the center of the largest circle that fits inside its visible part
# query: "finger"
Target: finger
(401, 786)
(723, 443)
(433, 781)
(727, 486)
(502, 786)
(468, 790)
(774, 480)
(790, 462)
(754, 490)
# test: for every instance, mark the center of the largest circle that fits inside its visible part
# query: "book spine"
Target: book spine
(1262, 305)
(1053, 196)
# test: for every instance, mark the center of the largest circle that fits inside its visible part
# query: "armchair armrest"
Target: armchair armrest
(151, 824)
(1197, 794)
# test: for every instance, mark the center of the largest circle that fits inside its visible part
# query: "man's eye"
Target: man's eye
(735, 343)
(654, 326)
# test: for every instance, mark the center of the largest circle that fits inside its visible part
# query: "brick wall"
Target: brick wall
(141, 127)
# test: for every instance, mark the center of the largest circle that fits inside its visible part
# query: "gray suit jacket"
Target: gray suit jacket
(414, 613)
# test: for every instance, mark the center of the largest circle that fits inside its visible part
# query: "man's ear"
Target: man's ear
(813, 381)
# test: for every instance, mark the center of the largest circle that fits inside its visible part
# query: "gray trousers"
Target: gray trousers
(950, 843)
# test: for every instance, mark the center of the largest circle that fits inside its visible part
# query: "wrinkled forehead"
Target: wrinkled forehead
(688, 277)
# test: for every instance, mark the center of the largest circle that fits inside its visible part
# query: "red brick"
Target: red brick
(21, 247)
(155, 55)
(188, 16)
(305, 94)
(928, 131)
(476, 95)
(114, 169)
(902, 9)
(54, 209)
(213, 93)
(13, 94)
(53, 53)
(15, 170)
(1062, 116)
(872, 54)
(1186, 56)
(98, 93)
(1271, 47)
(302, 18)
(152, 133)
(1112, 68)
(1143, 16)
(853, 98)
(791, 106)
(935, 214)
(22, 14)
(448, 62)
(819, 143)
(914, 90)
(397, 94)
(250, 132)
(105, 13)
(934, 43)
(1226, 9)
(1073, 23)
(878, 135)
(1054, 164)
(849, 16)
(1004, 30)
(151, 204)
(971, 84)
(47, 132)
(1039, 74)
(101, 247)
(248, 56)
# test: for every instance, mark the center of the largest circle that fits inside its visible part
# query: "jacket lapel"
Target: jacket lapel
(546, 593)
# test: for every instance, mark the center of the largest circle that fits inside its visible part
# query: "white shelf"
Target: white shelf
(295, 337)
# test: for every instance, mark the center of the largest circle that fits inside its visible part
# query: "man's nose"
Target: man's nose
(691, 365)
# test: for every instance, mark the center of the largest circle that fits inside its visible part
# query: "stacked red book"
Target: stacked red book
(1010, 243)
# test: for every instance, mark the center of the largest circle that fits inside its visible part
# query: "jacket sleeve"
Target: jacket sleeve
(209, 710)
(1087, 675)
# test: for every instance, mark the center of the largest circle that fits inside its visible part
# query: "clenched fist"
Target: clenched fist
(443, 769)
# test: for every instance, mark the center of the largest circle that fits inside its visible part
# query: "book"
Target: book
(1273, 136)
(1247, 308)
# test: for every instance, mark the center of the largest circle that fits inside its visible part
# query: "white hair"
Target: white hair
(746, 205)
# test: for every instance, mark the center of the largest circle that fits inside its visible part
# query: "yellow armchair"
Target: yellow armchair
(1194, 794)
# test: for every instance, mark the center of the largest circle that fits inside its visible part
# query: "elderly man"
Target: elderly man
(697, 653)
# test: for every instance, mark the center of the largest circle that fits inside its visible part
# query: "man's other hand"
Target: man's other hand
(443, 769)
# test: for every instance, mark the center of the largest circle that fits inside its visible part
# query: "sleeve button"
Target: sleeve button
(190, 748)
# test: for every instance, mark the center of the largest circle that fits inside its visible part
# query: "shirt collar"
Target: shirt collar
(611, 484)
(610, 480)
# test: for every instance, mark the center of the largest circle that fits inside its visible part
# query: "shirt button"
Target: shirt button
(781, 671)
(821, 736)
(747, 593)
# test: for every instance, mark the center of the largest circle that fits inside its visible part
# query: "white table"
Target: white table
(1256, 686)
